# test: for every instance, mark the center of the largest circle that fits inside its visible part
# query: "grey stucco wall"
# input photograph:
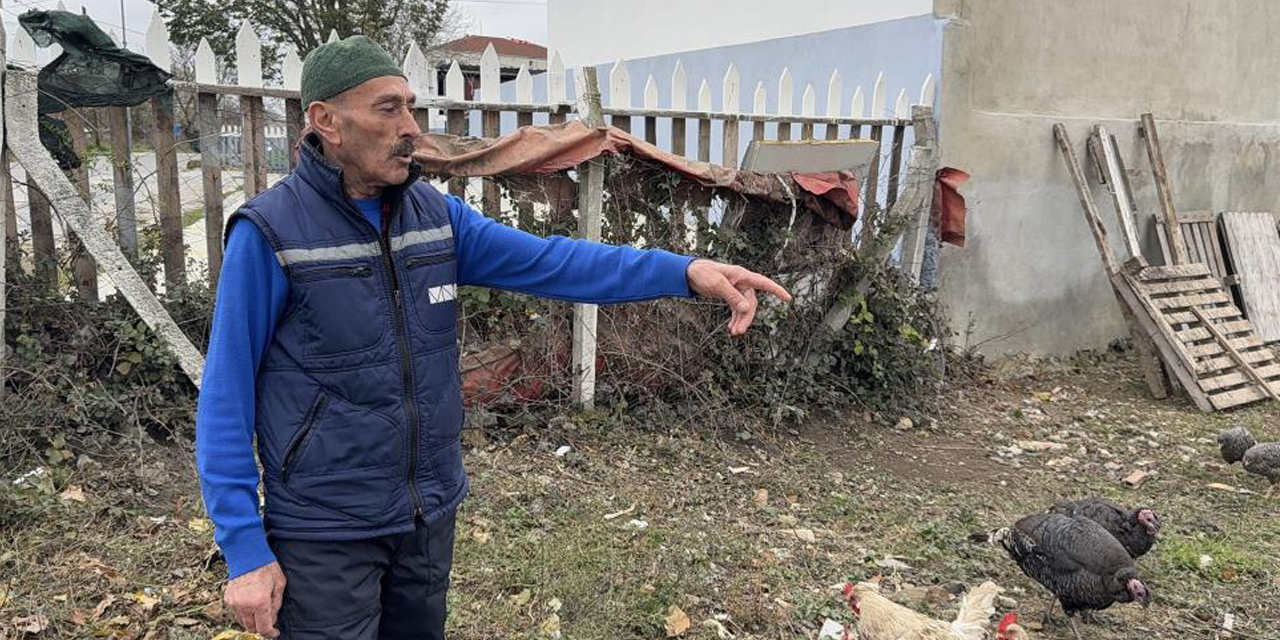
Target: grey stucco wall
(1030, 279)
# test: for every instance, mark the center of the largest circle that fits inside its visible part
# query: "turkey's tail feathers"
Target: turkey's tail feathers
(975, 611)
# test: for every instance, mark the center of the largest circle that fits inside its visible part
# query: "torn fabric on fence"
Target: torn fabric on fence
(91, 72)
(948, 207)
(832, 195)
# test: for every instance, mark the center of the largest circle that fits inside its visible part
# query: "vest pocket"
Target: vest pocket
(433, 283)
(339, 307)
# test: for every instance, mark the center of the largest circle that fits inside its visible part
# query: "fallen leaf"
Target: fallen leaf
(637, 524)
(521, 599)
(185, 622)
(677, 622)
(31, 624)
(73, 493)
(102, 606)
(481, 537)
(61, 597)
(148, 602)
(714, 625)
(806, 535)
(904, 424)
(831, 630)
(199, 525)
(761, 497)
(1218, 486)
(232, 634)
(890, 562)
(1037, 446)
(553, 605)
(551, 626)
(1136, 478)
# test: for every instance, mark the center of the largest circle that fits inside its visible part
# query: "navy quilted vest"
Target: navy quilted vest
(359, 406)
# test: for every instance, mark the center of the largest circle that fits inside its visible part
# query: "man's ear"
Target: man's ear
(323, 117)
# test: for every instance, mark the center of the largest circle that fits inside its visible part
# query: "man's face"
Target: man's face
(375, 131)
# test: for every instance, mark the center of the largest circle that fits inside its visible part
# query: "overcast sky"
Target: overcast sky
(524, 19)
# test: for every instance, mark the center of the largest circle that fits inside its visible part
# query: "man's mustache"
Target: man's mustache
(404, 148)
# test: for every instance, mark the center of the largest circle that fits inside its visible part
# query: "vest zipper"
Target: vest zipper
(300, 440)
(406, 369)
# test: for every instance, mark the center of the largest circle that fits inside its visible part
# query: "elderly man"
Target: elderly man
(334, 345)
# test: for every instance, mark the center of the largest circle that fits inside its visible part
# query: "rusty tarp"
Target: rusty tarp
(556, 148)
(948, 208)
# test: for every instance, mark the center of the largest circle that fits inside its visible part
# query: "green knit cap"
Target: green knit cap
(334, 67)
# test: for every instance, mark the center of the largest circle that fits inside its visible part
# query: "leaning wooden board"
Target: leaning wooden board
(1254, 245)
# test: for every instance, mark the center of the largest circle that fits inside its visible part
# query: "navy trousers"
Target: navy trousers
(387, 588)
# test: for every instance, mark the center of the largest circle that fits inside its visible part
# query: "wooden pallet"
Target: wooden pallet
(1223, 362)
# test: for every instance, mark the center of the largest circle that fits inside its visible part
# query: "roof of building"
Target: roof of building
(504, 46)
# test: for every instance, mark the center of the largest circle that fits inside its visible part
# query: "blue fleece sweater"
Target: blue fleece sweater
(253, 290)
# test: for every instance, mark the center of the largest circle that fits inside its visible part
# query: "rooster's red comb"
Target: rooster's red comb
(1010, 618)
(848, 588)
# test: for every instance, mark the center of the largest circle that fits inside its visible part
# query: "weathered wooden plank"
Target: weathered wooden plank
(211, 179)
(1227, 313)
(590, 215)
(1120, 194)
(730, 147)
(43, 252)
(24, 137)
(895, 165)
(85, 268)
(1212, 349)
(1183, 302)
(1237, 397)
(871, 198)
(1270, 372)
(1192, 217)
(10, 208)
(1228, 327)
(293, 123)
(524, 119)
(1179, 271)
(704, 141)
(1152, 139)
(1218, 264)
(1086, 200)
(253, 146)
(1203, 285)
(1254, 245)
(491, 195)
(1207, 366)
(170, 199)
(122, 173)
(457, 123)
(679, 146)
(922, 168)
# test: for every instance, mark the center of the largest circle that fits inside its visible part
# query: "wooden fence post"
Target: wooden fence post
(20, 122)
(456, 121)
(253, 143)
(1152, 139)
(590, 214)
(166, 152)
(210, 159)
(490, 122)
(122, 174)
(85, 271)
(922, 169)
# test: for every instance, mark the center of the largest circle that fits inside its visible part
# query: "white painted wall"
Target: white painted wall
(599, 31)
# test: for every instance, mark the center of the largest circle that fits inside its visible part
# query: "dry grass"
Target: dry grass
(534, 541)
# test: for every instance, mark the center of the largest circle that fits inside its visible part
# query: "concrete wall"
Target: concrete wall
(1030, 279)
(600, 31)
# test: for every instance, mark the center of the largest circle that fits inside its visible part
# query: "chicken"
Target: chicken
(882, 619)
(1009, 629)
(1234, 442)
(1136, 529)
(1082, 565)
(1264, 460)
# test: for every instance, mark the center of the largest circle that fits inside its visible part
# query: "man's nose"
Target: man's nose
(408, 125)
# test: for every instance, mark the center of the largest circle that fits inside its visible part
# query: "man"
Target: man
(334, 344)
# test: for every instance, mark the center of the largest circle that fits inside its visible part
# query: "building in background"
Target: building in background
(466, 51)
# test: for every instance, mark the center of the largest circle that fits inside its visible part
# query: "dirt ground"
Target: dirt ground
(749, 534)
